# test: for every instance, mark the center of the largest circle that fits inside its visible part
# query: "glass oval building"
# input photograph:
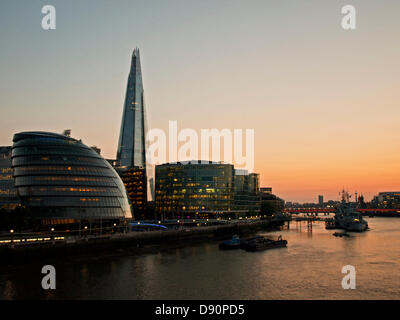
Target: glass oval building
(59, 177)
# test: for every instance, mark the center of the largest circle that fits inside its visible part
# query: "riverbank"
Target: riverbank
(127, 243)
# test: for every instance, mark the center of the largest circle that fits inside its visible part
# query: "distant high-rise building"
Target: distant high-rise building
(131, 146)
(321, 200)
(131, 151)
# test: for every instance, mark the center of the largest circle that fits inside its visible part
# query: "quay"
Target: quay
(22, 248)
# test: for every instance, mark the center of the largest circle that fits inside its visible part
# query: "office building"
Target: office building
(134, 179)
(62, 180)
(270, 203)
(131, 151)
(8, 194)
(246, 190)
(194, 190)
(131, 145)
(387, 200)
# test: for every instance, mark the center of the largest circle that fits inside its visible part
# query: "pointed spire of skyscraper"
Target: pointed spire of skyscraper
(131, 146)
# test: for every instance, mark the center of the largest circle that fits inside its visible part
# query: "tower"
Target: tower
(131, 153)
(131, 146)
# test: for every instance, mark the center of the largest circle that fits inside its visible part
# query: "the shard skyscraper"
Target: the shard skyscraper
(131, 146)
(131, 153)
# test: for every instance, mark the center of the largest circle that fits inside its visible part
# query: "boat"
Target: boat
(233, 243)
(246, 242)
(347, 217)
(262, 243)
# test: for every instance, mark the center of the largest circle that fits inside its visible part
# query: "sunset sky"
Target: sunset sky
(324, 102)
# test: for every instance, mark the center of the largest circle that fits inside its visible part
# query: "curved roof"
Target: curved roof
(40, 134)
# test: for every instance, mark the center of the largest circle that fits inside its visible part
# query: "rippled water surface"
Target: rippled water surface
(309, 268)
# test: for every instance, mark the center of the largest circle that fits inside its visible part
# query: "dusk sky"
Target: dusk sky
(323, 101)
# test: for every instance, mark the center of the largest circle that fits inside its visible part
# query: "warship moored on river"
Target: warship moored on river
(347, 217)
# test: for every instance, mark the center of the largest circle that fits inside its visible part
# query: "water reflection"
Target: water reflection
(309, 268)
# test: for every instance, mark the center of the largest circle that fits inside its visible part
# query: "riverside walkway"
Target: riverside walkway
(178, 229)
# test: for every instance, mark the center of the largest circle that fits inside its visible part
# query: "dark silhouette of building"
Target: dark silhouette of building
(270, 203)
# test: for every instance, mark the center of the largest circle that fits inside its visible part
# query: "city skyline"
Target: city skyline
(322, 100)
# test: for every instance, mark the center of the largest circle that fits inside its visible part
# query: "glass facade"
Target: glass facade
(59, 177)
(134, 180)
(131, 145)
(247, 195)
(8, 194)
(195, 189)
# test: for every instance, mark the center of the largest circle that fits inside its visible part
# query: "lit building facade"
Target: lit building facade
(59, 178)
(8, 194)
(194, 190)
(134, 179)
(387, 200)
(247, 193)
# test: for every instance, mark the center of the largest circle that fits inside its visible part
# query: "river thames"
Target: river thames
(309, 268)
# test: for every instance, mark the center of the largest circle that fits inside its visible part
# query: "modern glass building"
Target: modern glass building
(135, 182)
(8, 194)
(194, 190)
(247, 193)
(131, 145)
(131, 151)
(59, 177)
